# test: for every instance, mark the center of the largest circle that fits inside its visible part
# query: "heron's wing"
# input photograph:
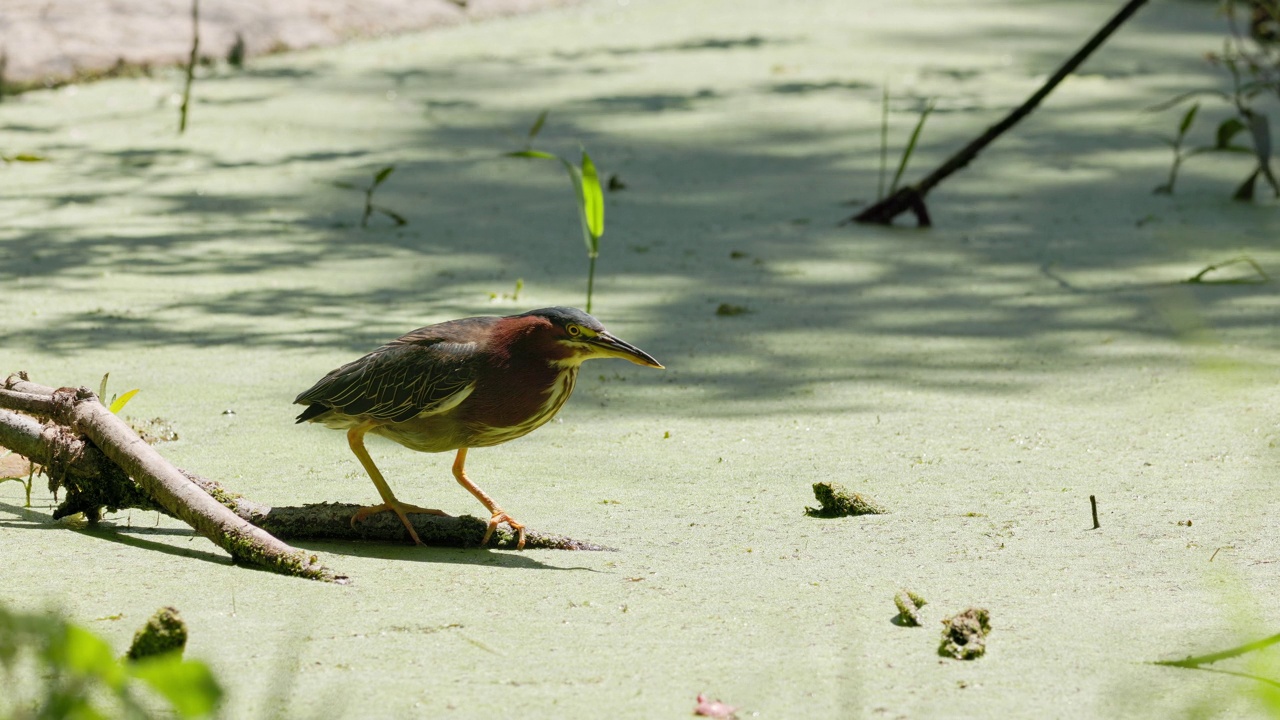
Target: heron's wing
(428, 371)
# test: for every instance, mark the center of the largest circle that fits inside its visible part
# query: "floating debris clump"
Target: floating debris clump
(964, 635)
(909, 605)
(165, 632)
(836, 501)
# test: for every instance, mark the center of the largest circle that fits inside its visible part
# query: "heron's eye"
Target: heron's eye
(574, 330)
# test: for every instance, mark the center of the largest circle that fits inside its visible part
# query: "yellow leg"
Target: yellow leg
(355, 438)
(498, 515)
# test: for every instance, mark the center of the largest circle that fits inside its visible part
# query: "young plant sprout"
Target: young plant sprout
(116, 403)
(1178, 155)
(911, 147)
(907, 152)
(1253, 62)
(586, 192)
(15, 474)
(379, 177)
(513, 296)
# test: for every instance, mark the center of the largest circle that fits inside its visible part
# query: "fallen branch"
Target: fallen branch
(92, 480)
(80, 413)
(911, 197)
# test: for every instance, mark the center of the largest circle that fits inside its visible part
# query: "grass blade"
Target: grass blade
(537, 125)
(1192, 662)
(884, 140)
(911, 147)
(532, 154)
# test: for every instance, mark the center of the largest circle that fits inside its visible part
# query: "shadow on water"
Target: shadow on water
(512, 560)
(754, 219)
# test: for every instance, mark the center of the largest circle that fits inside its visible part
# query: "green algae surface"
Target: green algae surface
(987, 376)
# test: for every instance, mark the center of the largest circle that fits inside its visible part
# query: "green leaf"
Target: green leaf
(188, 685)
(1244, 193)
(396, 217)
(28, 158)
(532, 154)
(1188, 118)
(537, 125)
(117, 404)
(592, 198)
(86, 654)
(382, 175)
(102, 387)
(1226, 131)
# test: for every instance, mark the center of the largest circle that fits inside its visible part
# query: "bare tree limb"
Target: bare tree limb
(911, 197)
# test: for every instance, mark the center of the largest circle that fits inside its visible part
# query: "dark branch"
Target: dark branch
(912, 197)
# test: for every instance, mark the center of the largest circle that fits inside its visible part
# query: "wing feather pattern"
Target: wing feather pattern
(431, 369)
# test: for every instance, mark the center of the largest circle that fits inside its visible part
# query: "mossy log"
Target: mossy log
(101, 462)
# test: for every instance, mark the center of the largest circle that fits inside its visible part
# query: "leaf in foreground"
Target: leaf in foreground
(188, 685)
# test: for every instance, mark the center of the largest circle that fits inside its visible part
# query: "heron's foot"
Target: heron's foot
(498, 518)
(402, 510)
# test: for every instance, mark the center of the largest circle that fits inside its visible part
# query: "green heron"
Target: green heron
(461, 384)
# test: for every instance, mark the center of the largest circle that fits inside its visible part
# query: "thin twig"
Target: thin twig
(191, 66)
(1093, 505)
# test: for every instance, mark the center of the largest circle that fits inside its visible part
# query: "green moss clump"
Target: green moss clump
(964, 635)
(165, 632)
(836, 501)
(909, 605)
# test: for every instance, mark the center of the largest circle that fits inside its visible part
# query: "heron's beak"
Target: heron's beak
(606, 345)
